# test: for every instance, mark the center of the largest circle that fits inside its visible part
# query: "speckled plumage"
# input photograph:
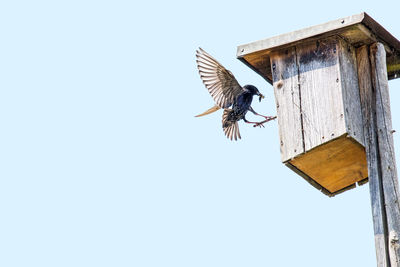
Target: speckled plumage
(227, 94)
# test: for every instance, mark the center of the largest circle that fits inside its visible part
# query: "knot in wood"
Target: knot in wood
(279, 84)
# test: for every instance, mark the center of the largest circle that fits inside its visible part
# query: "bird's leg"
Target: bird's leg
(268, 118)
(255, 123)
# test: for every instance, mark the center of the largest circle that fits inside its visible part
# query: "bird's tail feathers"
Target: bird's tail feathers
(208, 111)
(231, 128)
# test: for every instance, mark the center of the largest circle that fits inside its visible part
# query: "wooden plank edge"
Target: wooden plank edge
(380, 32)
(362, 21)
(391, 43)
(255, 69)
(305, 33)
(363, 182)
(309, 179)
(317, 185)
(320, 30)
(352, 186)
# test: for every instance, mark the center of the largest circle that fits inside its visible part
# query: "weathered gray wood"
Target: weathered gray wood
(287, 98)
(321, 92)
(377, 201)
(299, 35)
(310, 98)
(358, 30)
(350, 90)
(386, 151)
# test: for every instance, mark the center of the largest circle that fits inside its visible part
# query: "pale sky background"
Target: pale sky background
(103, 164)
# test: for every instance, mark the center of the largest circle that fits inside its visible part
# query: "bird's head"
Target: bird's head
(253, 90)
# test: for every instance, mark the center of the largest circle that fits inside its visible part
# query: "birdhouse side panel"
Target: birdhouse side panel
(350, 91)
(287, 97)
(320, 92)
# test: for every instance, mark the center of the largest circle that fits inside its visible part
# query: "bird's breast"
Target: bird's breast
(243, 101)
(241, 106)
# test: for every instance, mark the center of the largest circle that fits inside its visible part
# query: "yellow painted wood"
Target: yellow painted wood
(334, 165)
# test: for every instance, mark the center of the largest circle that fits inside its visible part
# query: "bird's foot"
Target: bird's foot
(267, 119)
(259, 124)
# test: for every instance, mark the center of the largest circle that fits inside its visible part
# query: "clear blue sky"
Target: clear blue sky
(103, 164)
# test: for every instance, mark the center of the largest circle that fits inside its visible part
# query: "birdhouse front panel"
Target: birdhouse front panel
(319, 112)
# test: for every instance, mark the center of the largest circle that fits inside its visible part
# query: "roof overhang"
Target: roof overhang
(358, 30)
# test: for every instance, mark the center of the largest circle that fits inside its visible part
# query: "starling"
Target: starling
(227, 94)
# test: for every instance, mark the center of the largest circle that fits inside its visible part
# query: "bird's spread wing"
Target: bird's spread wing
(231, 128)
(220, 82)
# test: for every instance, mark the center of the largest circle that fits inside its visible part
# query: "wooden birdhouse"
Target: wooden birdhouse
(315, 76)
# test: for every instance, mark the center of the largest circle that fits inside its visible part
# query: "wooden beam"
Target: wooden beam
(368, 110)
(383, 181)
(386, 150)
(299, 35)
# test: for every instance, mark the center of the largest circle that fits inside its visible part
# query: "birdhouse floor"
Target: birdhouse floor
(333, 167)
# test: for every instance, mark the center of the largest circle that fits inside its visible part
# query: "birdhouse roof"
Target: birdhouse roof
(357, 30)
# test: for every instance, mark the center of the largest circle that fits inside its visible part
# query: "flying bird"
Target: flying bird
(227, 94)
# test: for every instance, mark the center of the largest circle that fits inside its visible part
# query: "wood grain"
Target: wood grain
(287, 98)
(319, 113)
(350, 90)
(388, 175)
(358, 30)
(334, 165)
(320, 89)
(368, 96)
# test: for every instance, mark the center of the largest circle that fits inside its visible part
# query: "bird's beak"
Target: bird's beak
(261, 97)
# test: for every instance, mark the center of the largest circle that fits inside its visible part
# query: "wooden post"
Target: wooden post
(384, 189)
